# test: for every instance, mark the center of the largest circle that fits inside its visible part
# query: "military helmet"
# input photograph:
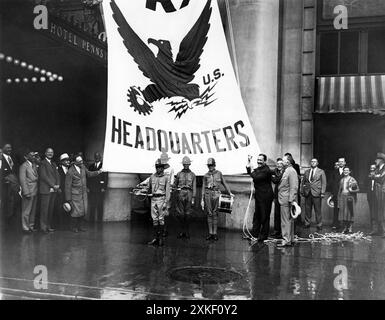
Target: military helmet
(186, 160)
(159, 163)
(211, 162)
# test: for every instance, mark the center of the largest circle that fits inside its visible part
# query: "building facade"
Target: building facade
(309, 89)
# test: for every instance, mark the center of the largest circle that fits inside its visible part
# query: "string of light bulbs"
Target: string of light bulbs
(44, 75)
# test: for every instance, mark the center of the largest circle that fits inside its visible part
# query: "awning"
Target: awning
(351, 94)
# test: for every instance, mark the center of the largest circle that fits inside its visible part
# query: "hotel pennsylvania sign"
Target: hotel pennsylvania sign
(171, 88)
(59, 30)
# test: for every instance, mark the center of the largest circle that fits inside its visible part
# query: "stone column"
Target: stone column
(118, 200)
(252, 32)
(255, 28)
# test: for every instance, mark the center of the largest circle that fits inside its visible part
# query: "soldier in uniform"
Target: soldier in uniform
(379, 204)
(185, 183)
(159, 187)
(210, 197)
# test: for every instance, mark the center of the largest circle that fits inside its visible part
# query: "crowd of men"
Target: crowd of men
(48, 195)
(61, 193)
(290, 186)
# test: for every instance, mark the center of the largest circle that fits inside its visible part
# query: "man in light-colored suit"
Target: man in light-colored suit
(28, 178)
(287, 194)
(313, 187)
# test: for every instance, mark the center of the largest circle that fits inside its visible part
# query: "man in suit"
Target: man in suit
(263, 197)
(287, 195)
(11, 186)
(28, 177)
(313, 187)
(97, 186)
(62, 220)
(298, 221)
(334, 187)
(76, 192)
(371, 197)
(379, 178)
(48, 188)
(276, 178)
(1, 185)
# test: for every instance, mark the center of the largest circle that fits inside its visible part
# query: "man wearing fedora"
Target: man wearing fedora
(379, 204)
(159, 188)
(287, 195)
(76, 192)
(185, 184)
(313, 187)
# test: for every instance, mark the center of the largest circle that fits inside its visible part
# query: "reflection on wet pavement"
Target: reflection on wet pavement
(112, 261)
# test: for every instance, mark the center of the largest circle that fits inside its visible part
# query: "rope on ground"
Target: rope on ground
(328, 238)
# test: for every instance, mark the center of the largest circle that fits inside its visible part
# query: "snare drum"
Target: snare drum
(225, 203)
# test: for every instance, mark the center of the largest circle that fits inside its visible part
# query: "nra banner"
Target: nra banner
(171, 88)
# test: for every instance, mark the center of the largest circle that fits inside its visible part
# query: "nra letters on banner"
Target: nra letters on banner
(171, 88)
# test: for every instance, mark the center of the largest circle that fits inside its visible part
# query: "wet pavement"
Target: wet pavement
(112, 261)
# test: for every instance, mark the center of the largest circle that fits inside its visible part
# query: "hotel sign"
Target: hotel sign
(68, 34)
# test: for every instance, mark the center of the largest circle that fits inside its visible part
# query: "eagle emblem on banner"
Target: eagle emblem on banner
(172, 79)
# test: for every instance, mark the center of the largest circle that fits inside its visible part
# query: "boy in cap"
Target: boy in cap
(210, 196)
(159, 187)
(185, 183)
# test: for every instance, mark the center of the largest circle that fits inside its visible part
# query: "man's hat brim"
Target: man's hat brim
(380, 156)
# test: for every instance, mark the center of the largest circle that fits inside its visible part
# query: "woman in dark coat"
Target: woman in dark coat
(76, 191)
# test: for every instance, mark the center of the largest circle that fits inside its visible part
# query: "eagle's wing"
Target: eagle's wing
(191, 47)
(160, 74)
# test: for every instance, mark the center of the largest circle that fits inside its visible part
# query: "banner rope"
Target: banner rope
(246, 232)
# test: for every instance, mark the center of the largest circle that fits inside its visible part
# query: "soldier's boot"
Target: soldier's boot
(381, 229)
(215, 228)
(187, 227)
(350, 229)
(155, 240)
(210, 225)
(161, 235)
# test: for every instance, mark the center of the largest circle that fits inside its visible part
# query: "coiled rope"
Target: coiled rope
(328, 238)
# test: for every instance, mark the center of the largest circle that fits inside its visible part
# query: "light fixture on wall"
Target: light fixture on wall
(44, 74)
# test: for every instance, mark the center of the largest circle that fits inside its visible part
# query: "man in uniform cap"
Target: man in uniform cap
(168, 171)
(379, 204)
(212, 181)
(159, 187)
(185, 183)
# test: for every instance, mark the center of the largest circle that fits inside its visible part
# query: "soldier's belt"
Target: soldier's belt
(158, 195)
